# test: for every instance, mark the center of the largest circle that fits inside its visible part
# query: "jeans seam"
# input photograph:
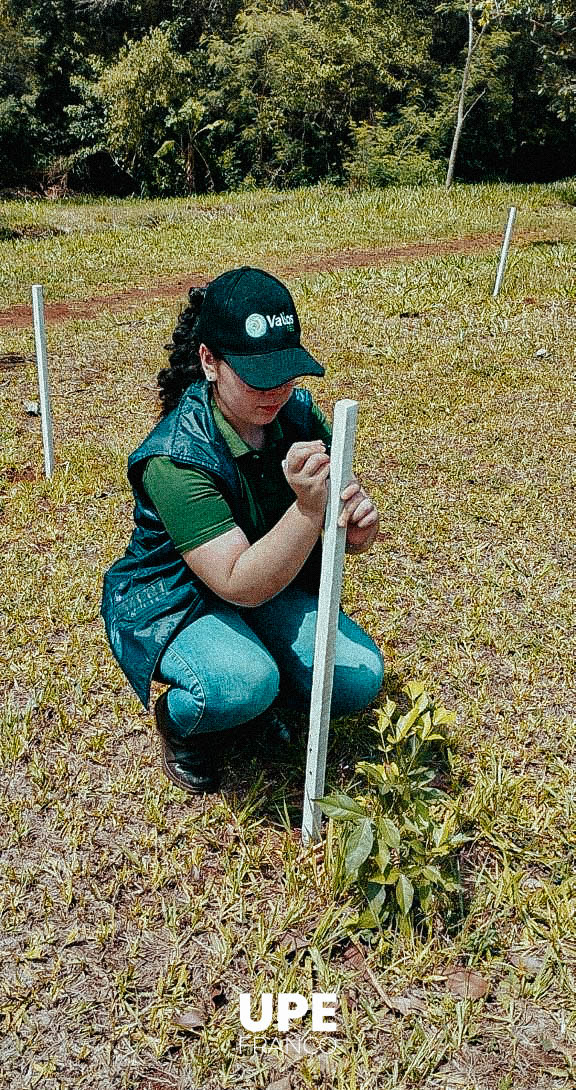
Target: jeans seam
(190, 674)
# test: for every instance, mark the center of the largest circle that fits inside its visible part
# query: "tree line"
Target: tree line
(167, 97)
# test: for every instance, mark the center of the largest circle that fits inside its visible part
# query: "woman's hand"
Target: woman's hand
(359, 515)
(306, 468)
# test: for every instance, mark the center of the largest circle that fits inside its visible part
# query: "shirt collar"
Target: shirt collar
(239, 446)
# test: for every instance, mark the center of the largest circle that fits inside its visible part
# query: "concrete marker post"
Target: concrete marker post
(43, 382)
(341, 459)
(504, 252)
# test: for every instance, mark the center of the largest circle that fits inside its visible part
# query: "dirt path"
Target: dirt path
(20, 316)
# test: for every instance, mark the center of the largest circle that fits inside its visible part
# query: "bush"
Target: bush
(387, 153)
(398, 840)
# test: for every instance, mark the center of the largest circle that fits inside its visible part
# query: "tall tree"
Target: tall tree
(481, 17)
(152, 117)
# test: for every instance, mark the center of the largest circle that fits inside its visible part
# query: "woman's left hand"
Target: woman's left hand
(359, 515)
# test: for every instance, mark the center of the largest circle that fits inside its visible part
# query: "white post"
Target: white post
(341, 458)
(504, 251)
(43, 383)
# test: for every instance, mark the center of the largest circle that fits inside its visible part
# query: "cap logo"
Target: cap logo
(281, 320)
(255, 325)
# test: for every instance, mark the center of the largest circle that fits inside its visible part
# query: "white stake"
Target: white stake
(43, 383)
(341, 458)
(504, 252)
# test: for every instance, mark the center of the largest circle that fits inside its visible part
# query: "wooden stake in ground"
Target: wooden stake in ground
(43, 383)
(341, 458)
(504, 252)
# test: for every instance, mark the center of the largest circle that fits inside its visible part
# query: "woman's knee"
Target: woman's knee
(236, 697)
(221, 674)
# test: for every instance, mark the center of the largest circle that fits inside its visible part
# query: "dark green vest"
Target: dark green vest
(150, 592)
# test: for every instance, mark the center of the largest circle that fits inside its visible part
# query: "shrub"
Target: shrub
(397, 841)
(385, 152)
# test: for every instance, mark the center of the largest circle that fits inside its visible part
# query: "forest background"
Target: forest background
(168, 97)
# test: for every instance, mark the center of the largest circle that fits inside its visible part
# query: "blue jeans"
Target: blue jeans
(227, 667)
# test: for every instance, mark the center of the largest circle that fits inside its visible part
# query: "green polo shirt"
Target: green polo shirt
(190, 503)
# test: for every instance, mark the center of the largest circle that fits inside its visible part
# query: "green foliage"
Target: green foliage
(551, 25)
(398, 840)
(151, 114)
(290, 82)
(243, 93)
(18, 97)
(385, 152)
(521, 87)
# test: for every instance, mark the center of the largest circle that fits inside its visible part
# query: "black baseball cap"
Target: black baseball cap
(248, 318)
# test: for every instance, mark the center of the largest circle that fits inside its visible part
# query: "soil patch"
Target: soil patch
(11, 361)
(20, 315)
(29, 230)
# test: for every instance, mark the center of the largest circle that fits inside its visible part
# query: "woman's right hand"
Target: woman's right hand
(306, 468)
(248, 575)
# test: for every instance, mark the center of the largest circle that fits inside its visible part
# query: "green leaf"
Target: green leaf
(388, 876)
(427, 899)
(368, 920)
(422, 773)
(374, 773)
(404, 894)
(404, 723)
(426, 725)
(432, 874)
(358, 846)
(165, 149)
(341, 807)
(382, 857)
(423, 702)
(386, 713)
(457, 839)
(442, 715)
(389, 833)
(414, 689)
(445, 835)
(376, 895)
(433, 737)
(210, 128)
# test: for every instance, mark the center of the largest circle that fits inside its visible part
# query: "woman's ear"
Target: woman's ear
(208, 363)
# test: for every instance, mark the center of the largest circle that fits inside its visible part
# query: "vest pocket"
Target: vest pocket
(142, 601)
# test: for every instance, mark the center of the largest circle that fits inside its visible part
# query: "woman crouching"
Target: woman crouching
(217, 593)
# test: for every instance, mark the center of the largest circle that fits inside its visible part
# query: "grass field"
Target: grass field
(77, 247)
(125, 904)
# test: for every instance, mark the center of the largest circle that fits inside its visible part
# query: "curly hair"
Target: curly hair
(185, 367)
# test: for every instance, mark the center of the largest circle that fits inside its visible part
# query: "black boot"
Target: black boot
(191, 763)
(268, 732)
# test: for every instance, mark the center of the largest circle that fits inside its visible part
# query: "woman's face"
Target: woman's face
(238, 401)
